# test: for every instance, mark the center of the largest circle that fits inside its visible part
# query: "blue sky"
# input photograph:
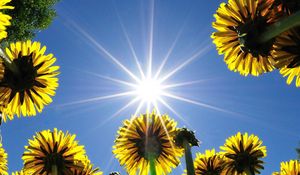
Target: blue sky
(263, 105)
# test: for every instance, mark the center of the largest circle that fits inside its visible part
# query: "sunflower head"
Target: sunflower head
(3, 161)
(31, 87)
(149, 136)
(53, 148)
(243, 153)
(209, 163)
(4, 19)
(183, 134)
(239, 24)
(290, 168)
(286, 55)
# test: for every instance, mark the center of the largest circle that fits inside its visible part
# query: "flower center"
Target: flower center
(294, 50)
(56, 159)
(25, 78)
(149, 146)
(248, 34)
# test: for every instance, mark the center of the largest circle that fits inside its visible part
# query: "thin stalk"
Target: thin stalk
(152, 165)
(10, 65)
(54, 170)
(279, 27)
(188, 158)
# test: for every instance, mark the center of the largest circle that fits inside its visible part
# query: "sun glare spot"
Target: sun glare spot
(149, 90)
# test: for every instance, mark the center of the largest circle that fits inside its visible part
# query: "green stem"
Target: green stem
(188, 158)
(10, 65)
(280, 26)
(152, 165)
(54, 170)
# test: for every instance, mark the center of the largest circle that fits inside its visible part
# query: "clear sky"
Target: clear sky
(224, 101)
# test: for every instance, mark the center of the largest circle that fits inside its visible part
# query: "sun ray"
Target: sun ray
(116, 80)
(187, 62)
(108, 78)
(136, 113)
(168, 86)
(130, 45)
(166, 58)
(102, 50)
(163, 102)
(151, 38)
(130, 103)
(166, 130)
(200, 104)
(128, 93)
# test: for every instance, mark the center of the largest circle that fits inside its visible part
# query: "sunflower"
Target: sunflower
(239, 23)
(3, 161)
(289, 168)
(243, 154)
(286, 55)
(48, 149)
(209, 163)
(87, 169)
(34, 84)
(4, 19)
(149, 135)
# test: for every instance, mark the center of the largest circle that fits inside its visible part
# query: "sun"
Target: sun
(148, 85)
(149, 90)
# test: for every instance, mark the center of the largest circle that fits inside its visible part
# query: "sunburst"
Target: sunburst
(150, 88)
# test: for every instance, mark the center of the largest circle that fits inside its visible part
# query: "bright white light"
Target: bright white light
(151, 87)
(149, 90)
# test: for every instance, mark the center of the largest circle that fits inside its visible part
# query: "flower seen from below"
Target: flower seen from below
(243, 153)
(239, 23)
(31, 88)
(87, 169)
(53, 148)
(209, 163)
(145, 137)
(3, 161)
(289, 168)
(287, 55)
(4, 19)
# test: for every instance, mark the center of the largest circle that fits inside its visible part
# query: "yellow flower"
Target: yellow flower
(31, 88)
(4, 19)
(239, 23)
(290, 168)
(87, 168)
(209, 163)
(21, 173)
(149, 135)
(49, 149)
(243, 154)
(3, 161)
(286, 55)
